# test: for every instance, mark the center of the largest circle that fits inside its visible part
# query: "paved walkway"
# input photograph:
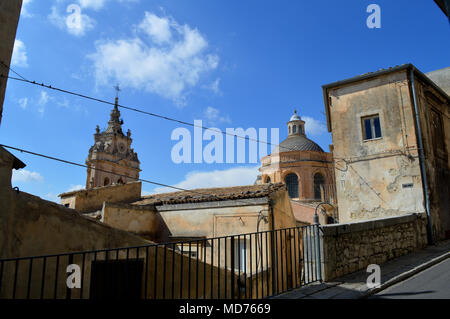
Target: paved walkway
(354, 286)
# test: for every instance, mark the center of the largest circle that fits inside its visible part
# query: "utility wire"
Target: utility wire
(22, 79)
(141, 111)
(106, 171)
(8, 67)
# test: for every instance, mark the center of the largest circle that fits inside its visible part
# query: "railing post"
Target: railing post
(319, 261)
(232, 265)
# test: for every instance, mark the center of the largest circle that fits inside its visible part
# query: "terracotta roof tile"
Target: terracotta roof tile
(211, 194)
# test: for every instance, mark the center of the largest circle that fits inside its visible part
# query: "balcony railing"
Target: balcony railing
(255, 265)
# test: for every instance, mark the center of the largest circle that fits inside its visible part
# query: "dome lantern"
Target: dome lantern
(296, 126)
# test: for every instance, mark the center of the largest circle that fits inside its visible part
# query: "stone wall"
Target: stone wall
(90, 200)
(9, 18)
(347, 248)
(143, 221)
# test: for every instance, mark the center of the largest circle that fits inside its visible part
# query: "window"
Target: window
(294, 129)
(240, 254)
(267, 180)
(300, 129)
(319, 183)
(291, 181)
(106, 181)
(371, 127)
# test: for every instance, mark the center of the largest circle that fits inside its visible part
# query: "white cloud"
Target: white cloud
(218, 178)
(157, 28)
(24, 176)
(24, 13)
(213, 116)
(19, 56)
(23, 102)
(75, 188)
(85, 24)
(42, 102)
(43, 98)
(213, 86)
(168, 60)
(314, 127)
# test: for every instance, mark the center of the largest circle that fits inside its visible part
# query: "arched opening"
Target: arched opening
(319, 187)
(106, 181)
(120, 181)
(294, 129)
(267, 180)
(291, 181)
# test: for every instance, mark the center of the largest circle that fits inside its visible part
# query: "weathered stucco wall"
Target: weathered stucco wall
(9, 18)
(141, 220)
(441, 78)
(378, 177)
(35, 227)
(434, 114)
(91, 200)
(282, 210)
(351, 247)
(209, 220)
(32, 226)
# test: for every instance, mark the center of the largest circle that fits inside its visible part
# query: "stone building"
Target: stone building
(445, 6)
(9, 18)
(112, 152)
(305, 168)
(391, 138)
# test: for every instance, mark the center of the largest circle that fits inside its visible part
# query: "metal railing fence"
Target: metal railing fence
(251, 266)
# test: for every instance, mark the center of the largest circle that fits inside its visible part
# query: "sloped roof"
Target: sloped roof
(211, 194)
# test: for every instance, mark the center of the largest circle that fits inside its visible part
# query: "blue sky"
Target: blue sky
(229, 63)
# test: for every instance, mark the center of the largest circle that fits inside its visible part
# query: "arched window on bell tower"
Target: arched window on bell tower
(106, 181)
(291, 181)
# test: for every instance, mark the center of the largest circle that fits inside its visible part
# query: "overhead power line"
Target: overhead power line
(22, 79)
(109, 172)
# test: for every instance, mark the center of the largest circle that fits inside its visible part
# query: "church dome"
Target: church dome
(297, 143)
(297, 140)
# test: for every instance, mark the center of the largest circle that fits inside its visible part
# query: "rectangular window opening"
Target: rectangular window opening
(371, 127)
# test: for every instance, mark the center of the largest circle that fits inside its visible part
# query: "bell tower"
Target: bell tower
(112, 152)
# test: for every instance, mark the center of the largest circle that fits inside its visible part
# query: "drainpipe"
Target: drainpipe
(271, 213)
(422, 161)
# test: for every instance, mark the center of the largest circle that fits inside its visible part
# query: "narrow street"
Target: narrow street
(432, 283)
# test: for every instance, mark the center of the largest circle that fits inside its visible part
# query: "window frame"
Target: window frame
(297, 186)
(373, 130)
